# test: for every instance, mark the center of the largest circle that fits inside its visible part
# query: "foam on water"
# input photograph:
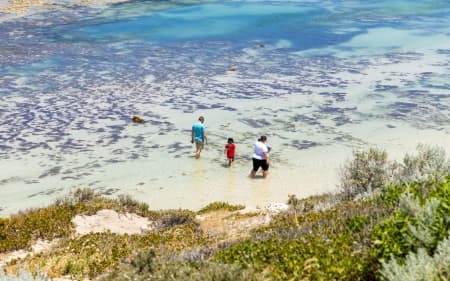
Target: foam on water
(319, 78)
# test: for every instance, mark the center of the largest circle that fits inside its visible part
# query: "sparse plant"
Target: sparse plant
(143, 262)
(176, 217)
(25, 275)
(366, 172)
(130, 204)
(83, 195)
(80, 195)
(220, 206)
(181, 271)
(430, 165)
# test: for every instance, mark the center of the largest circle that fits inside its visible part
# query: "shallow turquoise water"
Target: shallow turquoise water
(320, 78)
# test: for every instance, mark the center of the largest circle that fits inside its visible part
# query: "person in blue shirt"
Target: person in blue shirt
(199, 136)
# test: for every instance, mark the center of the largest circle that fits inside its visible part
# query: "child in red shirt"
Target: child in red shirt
(229, 150)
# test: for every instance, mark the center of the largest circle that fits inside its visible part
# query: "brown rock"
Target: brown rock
(137, 119)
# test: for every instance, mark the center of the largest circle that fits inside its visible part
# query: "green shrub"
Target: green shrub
(94, 254)
(80, 195)
(55, 221)
(419, 222)
(20, 230)
(148, 266)
(132, 205)
(420, 266)
(331, 244)
(220, 206)
(173, 218)
(25, 276)
(366, 172)
(430, 166)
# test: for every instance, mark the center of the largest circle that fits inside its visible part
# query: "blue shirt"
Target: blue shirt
(198, 129)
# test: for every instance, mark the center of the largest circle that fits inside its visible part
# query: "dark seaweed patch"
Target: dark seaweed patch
(305, 144)
(397, 115)
(342, 120)
(109, 191)
(443, 51)
(9, 180)
(305, 119)
(415, 93)
(175, 147)
(329, 109)
(51, 172)
(45, 192)
(382, 88)
(336, 96)
(255, 123)
(404, 107)
(133, 156)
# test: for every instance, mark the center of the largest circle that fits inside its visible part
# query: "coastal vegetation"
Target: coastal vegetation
(388, 220)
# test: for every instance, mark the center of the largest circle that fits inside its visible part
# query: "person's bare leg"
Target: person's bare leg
(199, 149)
(229, 162)
(265, 173)
(252, 174)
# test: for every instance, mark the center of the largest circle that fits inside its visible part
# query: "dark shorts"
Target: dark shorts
(260, 163)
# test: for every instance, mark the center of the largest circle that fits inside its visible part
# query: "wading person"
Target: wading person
(230, 147)
(260, 157)
(198, 136)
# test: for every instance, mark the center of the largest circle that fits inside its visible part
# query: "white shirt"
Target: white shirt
(260, 148)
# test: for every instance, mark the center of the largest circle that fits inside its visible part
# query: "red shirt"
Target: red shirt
(230, 150)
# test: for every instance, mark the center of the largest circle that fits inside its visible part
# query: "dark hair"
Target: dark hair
(230, 140)
(262, 138)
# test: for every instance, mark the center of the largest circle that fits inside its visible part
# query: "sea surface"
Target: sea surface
(319, 78)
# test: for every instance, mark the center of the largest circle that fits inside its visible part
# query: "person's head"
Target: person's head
(230, 140)
(262, 139)
(201, 119)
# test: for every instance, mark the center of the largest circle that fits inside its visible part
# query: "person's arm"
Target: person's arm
(266, 156)
(192, 136)
(204, 137)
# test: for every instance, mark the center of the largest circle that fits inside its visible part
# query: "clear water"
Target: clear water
(319, 78)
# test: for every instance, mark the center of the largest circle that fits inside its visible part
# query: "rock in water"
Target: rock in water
(137, 119)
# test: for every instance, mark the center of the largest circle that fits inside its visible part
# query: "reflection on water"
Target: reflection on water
(319, 78)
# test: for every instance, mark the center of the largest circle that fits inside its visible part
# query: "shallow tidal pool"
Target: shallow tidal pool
(319, 78)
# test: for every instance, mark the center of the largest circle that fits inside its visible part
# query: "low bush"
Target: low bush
(429, 166)
(94, 254)
(420, 222)
(25, 276)
(147, 266)
(131, 205)
(366, 172)
(173, 218)
(331, 244)
(220, 206)
(420, 266)
(18, 231)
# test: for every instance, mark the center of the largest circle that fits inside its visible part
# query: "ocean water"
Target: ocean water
(319, 78)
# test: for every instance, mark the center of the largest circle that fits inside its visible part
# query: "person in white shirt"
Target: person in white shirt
(260, 157)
